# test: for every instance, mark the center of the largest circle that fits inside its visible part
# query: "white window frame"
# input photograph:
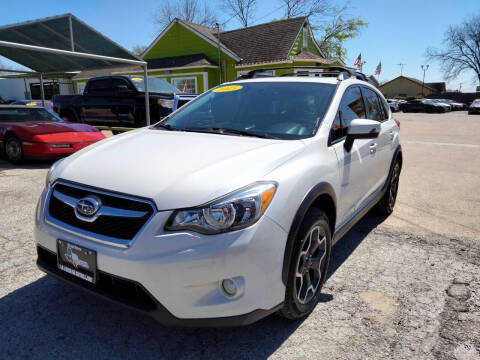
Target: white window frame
(183, 78)
(81, 86)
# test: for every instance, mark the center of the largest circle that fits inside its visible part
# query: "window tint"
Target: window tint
(119, 82)
(351, 107)
(287, 110)
(99, 85)
(385, 107)
(374, 107)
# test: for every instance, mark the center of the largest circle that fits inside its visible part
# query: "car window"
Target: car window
(385, 107)
(285, 110)
(351, 107)
(100, 85)
(26, 114)
(374, 106)
(119, 82)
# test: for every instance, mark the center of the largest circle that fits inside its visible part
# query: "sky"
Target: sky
(397, 31)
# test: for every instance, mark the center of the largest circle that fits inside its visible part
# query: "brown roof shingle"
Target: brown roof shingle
(265, 42)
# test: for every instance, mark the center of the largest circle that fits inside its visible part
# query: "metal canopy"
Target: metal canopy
(63, 43)
(63, 32)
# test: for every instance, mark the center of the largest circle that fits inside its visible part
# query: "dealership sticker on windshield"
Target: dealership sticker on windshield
(31, 104)
(137, 79)
(228, 88)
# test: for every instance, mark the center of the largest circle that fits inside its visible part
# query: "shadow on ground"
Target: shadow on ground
(49, 319)
(33, 164)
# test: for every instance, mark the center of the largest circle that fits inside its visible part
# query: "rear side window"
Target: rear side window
(376, 107)
(119, 82)
(100, 85)
(351, 107)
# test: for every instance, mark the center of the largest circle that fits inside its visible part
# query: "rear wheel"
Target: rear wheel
(308, 266)
(13, 150)
(387, 202)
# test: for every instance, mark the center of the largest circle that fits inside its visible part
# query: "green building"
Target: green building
(196, 58)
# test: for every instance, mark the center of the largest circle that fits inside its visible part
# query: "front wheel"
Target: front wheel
(387, 202)
(308, 265)
(13, 150)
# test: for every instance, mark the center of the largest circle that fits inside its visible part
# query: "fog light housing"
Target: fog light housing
(233, 287)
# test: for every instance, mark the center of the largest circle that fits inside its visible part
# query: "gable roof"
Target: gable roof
(178, 61)
(269, 42)
(438, 86)
(416, 81)
(265, 42)
(204, 32)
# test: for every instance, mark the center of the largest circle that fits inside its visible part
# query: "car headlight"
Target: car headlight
(234, 211)
(48, 179)
(166, 103)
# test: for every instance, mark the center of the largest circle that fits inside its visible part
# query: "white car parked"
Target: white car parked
(227, 210)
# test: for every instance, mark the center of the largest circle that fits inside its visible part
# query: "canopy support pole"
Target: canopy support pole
(42, 94)
(72, 45)
(147, 95)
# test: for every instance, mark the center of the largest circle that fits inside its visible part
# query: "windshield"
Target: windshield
(285, 110)
(154, 85)
(26, 114)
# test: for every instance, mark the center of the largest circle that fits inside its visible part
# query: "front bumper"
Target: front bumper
(47, 150)
(180, 272)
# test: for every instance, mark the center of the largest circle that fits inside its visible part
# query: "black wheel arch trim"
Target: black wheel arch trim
(318, 190)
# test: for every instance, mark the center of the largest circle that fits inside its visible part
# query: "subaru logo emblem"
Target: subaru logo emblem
(88, 206)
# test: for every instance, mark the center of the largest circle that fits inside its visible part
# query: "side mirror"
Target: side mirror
(361, 129)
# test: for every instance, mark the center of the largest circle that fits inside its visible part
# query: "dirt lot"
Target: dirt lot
(403, 287)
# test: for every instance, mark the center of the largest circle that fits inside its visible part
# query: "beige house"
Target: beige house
(406, 87)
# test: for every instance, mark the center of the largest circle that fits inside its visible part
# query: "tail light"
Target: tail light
(398, 123)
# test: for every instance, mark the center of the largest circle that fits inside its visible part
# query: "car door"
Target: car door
(381, 147)
(123, 102)
(354, 166)
(96, 107)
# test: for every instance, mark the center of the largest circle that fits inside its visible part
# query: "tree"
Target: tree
(138, 49)
(333, 35)
(296, 8)
(461, 49)
(188, 10)
(331, 26)
(241, 9)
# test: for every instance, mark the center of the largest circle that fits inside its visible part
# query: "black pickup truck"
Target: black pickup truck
(120, 101)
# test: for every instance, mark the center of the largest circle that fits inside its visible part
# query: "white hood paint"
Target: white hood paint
(176, 169)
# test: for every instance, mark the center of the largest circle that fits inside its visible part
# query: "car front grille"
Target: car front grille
(113, 224)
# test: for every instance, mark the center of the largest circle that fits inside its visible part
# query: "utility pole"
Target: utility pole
(361, 65)
(424, 69)
(401, 68)
(217, 25)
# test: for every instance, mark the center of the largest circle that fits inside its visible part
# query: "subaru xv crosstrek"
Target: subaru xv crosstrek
(225, 211)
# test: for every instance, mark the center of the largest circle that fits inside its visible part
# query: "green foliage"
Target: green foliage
(333, 36)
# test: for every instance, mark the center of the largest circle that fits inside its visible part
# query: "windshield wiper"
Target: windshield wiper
(243, 133)
(167, 127)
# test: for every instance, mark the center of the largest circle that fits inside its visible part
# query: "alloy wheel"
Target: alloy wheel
(13, 149)
(310, 265)
(393, 189)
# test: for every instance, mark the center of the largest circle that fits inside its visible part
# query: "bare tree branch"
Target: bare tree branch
(461, 49)
(189, 10)
(310, 8)
(240, 9)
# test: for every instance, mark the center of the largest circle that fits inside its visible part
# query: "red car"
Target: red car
(34, 133)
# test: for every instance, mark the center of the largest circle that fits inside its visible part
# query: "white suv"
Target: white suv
(227, 210)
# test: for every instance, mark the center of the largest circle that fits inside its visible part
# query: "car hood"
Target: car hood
(50, 127)
(176, 169)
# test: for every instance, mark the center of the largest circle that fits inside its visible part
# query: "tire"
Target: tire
(387, 202)
(300, 298)
(13, 150)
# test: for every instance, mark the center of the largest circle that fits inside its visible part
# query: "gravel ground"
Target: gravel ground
(393, 292)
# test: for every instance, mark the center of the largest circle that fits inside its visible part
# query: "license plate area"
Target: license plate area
(77, 261)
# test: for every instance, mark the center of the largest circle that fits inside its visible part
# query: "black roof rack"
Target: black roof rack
(341, 73)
